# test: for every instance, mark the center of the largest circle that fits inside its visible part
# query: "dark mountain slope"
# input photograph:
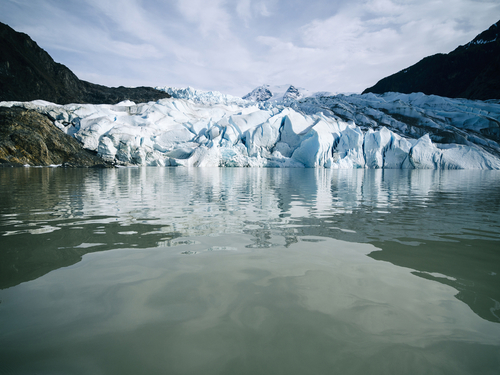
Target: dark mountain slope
(27, 73)
(471, 71)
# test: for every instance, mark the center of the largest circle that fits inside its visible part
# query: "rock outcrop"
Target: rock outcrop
(28, 73)
(30, 138)
(470, 71)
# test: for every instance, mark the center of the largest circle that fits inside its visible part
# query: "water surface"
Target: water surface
(246, 271)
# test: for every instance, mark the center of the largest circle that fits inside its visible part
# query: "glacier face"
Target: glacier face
(209, 129)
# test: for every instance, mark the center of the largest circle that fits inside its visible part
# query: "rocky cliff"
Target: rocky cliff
(29, 138)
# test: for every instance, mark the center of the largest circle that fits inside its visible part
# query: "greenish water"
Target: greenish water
(249, 271)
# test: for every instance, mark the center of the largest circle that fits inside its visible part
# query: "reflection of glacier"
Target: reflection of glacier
(375, 204)
(443, 224)
(203, 129)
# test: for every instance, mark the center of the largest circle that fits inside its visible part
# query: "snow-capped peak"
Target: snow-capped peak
(293, 93)
(277, 93)
(488, 36)
(282, 93)
(260, 94)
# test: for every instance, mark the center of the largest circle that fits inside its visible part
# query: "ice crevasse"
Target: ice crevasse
(237, 133)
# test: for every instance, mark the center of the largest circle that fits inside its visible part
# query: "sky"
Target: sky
(234, 46)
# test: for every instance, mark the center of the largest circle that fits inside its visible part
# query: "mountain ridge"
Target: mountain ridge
(470, 71)
(27, 72)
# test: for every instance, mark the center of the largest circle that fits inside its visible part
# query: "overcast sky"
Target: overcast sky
(233, 46)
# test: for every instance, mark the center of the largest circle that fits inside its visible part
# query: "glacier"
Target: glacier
(293, 128)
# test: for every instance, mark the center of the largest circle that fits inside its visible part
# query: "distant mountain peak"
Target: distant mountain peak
(292, 93)
(259, 94)
(277, 93)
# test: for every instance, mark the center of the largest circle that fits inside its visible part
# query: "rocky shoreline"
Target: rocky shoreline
(28, 138)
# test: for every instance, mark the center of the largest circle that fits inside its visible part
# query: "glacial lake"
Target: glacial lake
(249, 271)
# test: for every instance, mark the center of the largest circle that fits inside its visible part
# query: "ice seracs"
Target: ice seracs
(208, 129)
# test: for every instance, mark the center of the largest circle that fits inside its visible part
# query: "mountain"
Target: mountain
(471, 71)
(28, 73)
(283, 93)
(276, 93)
(276, 126)
(259, 94)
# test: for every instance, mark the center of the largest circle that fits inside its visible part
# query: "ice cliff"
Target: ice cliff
(209, 129)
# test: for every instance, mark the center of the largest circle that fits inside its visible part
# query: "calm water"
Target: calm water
(249, 271)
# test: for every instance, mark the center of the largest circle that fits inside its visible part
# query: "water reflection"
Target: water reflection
(444, 225)
(319, 305)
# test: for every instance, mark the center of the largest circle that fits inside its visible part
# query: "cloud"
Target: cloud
(384, 36)
(249, 9)
(244, 10)
(210, 16)
(233, 46)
